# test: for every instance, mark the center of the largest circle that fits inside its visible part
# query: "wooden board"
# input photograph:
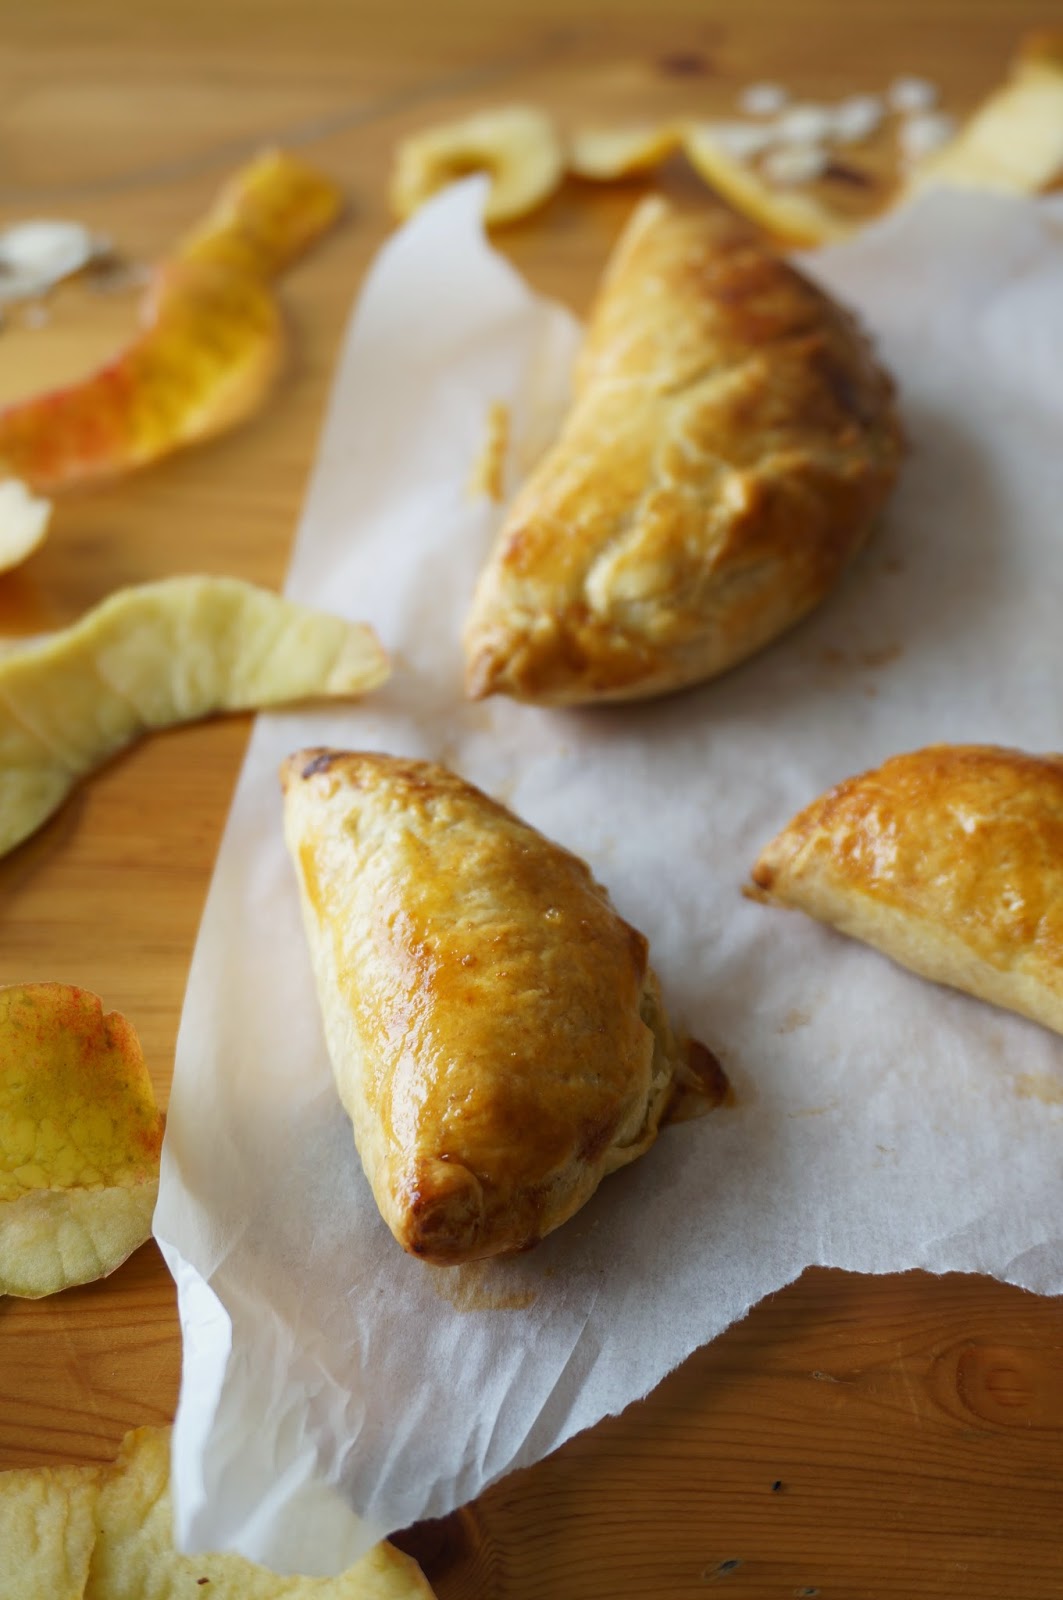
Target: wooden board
(852, 1438)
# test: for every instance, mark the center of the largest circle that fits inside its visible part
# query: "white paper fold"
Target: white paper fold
(880, 1123)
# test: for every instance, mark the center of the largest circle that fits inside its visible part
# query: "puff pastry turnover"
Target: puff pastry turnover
(496, 1033)
(950, 860)
(730, 440)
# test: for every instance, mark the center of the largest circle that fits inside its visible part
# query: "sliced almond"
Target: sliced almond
(24, 522)
(36, 255)
(763, 99)
(909, 95)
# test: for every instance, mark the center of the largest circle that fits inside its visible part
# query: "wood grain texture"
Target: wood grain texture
(914, 1425)
(868, 1438)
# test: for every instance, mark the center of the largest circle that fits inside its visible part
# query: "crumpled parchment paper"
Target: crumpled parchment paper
(334, 1389)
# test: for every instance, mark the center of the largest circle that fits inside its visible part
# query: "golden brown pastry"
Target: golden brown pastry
(730, 440)
(950, 860)
(495, 1030)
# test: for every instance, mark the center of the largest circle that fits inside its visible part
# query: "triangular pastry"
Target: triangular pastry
(495, 1030)
(950, 860)
(730, 440)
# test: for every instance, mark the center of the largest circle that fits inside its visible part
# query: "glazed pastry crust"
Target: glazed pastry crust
(495, 1031)
(950, 860)
(730, 441)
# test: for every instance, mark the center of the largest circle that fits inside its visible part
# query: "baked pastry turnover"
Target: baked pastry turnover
(730, 441)
(950, 860)
(495, 1031)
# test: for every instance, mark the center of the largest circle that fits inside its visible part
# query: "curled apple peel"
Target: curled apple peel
(517, 146)
(211, 346)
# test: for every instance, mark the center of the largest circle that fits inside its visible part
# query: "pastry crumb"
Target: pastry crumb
(488, 470)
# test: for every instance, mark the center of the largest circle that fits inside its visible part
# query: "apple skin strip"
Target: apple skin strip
(24, 522)
(1014, 141)
(792, 218)
(106, 1533)
(211, 349)
(517, 146)
(80, 1136)
(268, 215)
(212, 345)
(151, 657)
(602, 155)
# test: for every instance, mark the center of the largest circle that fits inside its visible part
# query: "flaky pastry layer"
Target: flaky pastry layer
(730, 440)
(496, 1033)
(948, 859)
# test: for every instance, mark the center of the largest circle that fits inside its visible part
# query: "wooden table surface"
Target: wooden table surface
(854, 1437)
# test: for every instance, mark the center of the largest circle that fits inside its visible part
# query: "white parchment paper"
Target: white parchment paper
(880, 1123)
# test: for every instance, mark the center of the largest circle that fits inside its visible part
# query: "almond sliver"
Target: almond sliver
(23, 522)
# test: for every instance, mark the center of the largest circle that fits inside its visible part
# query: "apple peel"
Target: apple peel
(270, 213)
(517, 145)
(80, 1136)
(106, 1533)
(153, 656)
(37, 255)
(487, 479)
(213, 345)
(605, 154)
(796, 219)
(134, 1554)
(47, 1531)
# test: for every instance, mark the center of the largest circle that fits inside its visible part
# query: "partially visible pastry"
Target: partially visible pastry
(950, 860)
(731, 439)
(496, 1032)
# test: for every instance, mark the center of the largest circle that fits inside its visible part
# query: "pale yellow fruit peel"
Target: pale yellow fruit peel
(80, 1136)
(24, 522)
(269, 214)
(1014, 141)
(212, 345)
(134, 1555)
(53, 1239)
(47, 1531)
(795, 218)
(605, 154)
(153, 656)
(517, 146)
(91, 1533)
